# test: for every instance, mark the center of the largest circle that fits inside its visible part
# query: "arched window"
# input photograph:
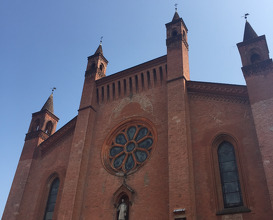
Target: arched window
(101, 66)
(255, 58)
(51, 201)
(184, 34)
(49, 127)
(36, 126)
(231, 189)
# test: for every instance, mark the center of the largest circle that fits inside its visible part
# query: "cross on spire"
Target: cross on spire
(175, 6)
(101, 40)
(52, 90)
(245, 16)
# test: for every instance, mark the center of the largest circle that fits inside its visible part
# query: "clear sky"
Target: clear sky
(45, 44)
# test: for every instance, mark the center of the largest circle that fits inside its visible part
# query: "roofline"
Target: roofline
(134, 69)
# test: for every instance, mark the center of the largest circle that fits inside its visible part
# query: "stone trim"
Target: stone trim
(218, 92)
(35, 134)
(234, 210)
(219, 98)
(260, 68)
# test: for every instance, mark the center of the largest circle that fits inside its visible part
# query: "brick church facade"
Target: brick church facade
(149, 143)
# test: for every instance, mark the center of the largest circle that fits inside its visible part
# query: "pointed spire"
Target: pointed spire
(249, 32)
(99, 50)
(176, 16)
(49, 104)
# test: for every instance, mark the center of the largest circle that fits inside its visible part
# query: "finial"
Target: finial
(52, 90)
(101, 40)
(175, 6)
(245, 16)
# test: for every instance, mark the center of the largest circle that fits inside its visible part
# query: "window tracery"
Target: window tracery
(129, 147)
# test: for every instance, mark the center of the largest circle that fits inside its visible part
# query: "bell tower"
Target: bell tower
(177, 48)
(43, 125)
(80, 147)
(179, 137)
(258, 73)
(97, 64)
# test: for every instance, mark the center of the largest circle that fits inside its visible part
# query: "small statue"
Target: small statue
(122, 209)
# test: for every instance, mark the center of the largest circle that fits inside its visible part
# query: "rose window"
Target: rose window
(129, 147)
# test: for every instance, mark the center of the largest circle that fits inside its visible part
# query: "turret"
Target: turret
(177, 48)
(43, 124)
(258, 72)
(97, 64)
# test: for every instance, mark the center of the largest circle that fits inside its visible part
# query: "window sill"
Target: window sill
(234, 210)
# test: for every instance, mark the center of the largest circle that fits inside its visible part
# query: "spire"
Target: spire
(99, 50)
(176, 16)
(249, 32)
(49, 104)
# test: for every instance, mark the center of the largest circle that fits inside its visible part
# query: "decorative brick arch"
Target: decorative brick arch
(123, 190)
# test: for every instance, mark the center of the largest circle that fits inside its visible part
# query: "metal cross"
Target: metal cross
(246, 16)
(52, 89)
(101, 40)
(175, 6)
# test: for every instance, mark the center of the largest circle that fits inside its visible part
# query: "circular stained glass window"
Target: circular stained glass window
(129, 146)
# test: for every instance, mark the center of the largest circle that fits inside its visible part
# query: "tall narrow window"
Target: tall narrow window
(231, 189)
(114, 90)
(102, 94)
(51, 201)
(155, 78)
(49, 127)
(136, 81)
(108, 92)
(98, 98)
(118, 88)
(130, 85)
(124, 86)
(142, 81)
(161, 74)
(149, 79)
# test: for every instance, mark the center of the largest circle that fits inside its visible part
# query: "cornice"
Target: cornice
(218, 92)
(175, 39)
(34, 134)
(177, 21)
(46, 111)
(260, 68)
(136, 69)
(49, 142)
(251, 41)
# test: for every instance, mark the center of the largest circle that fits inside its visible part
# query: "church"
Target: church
(150, 144)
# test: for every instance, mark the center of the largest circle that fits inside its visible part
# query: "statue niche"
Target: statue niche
(123, 208)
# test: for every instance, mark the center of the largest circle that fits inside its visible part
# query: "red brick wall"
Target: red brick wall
(210, 118)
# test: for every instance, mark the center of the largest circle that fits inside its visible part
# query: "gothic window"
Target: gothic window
(129, 147)
(51, 201)
(231, 188)
(49, 127)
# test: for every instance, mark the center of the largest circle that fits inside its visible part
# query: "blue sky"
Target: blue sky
(45, 44)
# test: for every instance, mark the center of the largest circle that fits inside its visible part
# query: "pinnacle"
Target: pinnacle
(99, 50)
(49, 104)
(176, 16)
(249, 32)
